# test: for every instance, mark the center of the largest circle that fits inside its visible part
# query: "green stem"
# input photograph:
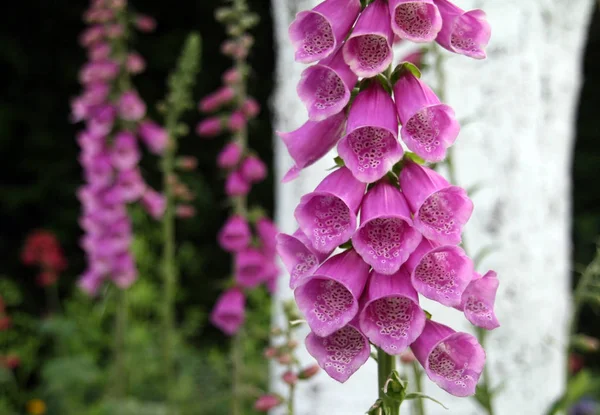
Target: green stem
(385, 365)
(120, 370)
(419, 404)
(237, 366)
(290, 367)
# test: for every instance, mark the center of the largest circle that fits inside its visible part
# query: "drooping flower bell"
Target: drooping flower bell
(428, 126)
(235, 234)
(440, 210)
(329, 299)
(368, 50)
(454, 361)
(340, 353)
(386, 237)
(415, 20)
(327, 216)
(370, 147)
(317, 33)
(478, 301)
(391, 316)
(467, 33)
(229, 311)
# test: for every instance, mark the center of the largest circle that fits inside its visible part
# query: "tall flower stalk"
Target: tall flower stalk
(178, 100)
(247, 234)
(405, 243)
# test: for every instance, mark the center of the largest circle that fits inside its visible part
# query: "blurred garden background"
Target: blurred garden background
(56, 345)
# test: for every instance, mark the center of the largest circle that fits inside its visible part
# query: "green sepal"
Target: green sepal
(401, 69)
(414, 157)
(427, 314)
(395, 387)
(378, 408)
(346, 245)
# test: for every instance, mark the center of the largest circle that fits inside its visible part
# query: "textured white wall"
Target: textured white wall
(517, 147)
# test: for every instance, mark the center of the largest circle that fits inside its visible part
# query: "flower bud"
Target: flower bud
(236, 185)
(135, 63)
(407, 357)
(270, 352)
(285, 359)
(267, 402)
(229, 156)
(253, 169)
(251, 108)
(187, 163)
(237, 121)
(185, 211)
(289, 377)
(145, 23)
(309, 372)
(231, 76)
(209, 127)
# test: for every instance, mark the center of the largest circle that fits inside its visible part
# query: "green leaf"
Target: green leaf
(419, 395)
(403, 68)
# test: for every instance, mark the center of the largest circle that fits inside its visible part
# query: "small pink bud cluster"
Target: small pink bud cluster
(406, 243)
(249, 237)
(115, 124)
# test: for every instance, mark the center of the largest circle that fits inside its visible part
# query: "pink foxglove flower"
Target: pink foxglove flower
(229, 311)
(340, 353)
(454, 361)
(478, 301)
(299, 257)
(154, 136)
(440, 210)
(428, 126)
(329, 298)
(236, 121)
(440, 273)
(154, 203)
(250, 108)
(386, 237)
(267, 402)
(125, 152)
(267, 232)
(235, 234)
(253, 169)
(368, 50)
(209, 127)
(370, 147)
(317, 33)
(325, 88)
(312, 141)
(135, 64)
(391, 316)
(467, 33)
(327, 216)
(236, 184)
(250, 267)
(131, 107)
(229, 156)
(415, 20)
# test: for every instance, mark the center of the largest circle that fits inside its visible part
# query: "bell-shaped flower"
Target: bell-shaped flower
(428, 126)
(329, 298)
(131, 106)
(391, 316)
(340, 353)
(325, 88)
(415, 20)
(317, 33)
(327, 216)
(154, 136)
(124, 272)
(229, 311)
(368, 50)
(313, 140)
(125, 153)
(253, 169)
(386, 237)
(478, 301)
(235, 234)
(298, 256)
(453, 361)
(440, 210)
(440, 273)
(370, 147)
(466, 33)
(229, 156)
(267, 231)
(236, 184)
(154, 203)
(249, 265)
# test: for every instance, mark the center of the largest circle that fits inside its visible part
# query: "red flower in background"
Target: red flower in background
(43, 249)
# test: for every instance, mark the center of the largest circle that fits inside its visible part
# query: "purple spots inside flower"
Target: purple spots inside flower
(437, 271)
(385, 237)
(449, 362)
(463, 38)
(438, 210)
(392, 316)
(317, 36)
(476, 307)
(342, 348)
(332, 300)
(369, 145)
(330, 91)
(331, 220)
(306, 263)
(424, 129)
(415, 19)
(369, 53)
